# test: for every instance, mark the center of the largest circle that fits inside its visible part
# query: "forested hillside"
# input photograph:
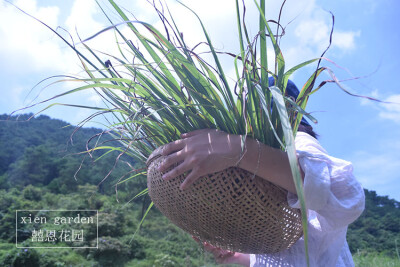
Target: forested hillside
(378, 228)
(47, 152)
(39, 160)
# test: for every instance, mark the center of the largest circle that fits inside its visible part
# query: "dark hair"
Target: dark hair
(293, 92)
(308, 129)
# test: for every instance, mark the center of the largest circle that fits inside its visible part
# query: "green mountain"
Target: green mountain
(48, 152)
(39, 162)
(378, 228)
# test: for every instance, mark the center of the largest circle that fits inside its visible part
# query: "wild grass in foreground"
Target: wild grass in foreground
(362, 259)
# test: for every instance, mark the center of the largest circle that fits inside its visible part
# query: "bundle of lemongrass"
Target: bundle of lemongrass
(171, 90)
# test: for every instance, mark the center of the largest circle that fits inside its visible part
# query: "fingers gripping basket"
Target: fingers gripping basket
(228, 209)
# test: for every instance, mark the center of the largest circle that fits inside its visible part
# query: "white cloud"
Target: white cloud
(44, 51)
(391, 111)
(345, 40)
(30, 49)
(81, 18)
(14, 95)
(388, 110)
(366, 102)
(314, 33)
(379, 171)
(29, 46)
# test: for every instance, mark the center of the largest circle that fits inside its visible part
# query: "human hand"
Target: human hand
(221, 256)
(201, 152)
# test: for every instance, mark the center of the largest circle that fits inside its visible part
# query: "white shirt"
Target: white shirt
(334, 199)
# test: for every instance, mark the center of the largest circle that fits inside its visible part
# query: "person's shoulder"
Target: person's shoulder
(310, 148)
(306, 143)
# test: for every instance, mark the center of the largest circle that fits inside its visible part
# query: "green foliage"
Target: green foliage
(117, 222)
(11, 256)
(164, 260)
(38, 152)
(110, 252)
(111, 223)
(37, 166)
(23, 257)
(374, 259)
(378, 227)
(32, 193)
(158, 243)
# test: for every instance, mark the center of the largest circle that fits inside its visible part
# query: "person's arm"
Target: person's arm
(207, 151)
(270, 163)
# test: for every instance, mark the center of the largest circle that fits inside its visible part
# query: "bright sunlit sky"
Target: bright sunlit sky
(365, 42)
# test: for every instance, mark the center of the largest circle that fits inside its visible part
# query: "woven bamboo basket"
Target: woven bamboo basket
(228, 209)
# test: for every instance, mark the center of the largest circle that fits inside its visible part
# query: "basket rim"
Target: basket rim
(154, 155)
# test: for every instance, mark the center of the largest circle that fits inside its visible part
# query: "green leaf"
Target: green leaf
(294, 166)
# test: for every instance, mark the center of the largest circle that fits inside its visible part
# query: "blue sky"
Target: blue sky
(365, 42)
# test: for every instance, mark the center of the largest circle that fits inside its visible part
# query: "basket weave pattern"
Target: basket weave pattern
(228, 209)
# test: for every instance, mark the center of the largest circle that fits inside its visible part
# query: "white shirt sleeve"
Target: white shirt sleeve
(334, 199)
(330, 188)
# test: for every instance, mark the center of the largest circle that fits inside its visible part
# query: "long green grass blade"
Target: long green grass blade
(141, 222)
(295, 168)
